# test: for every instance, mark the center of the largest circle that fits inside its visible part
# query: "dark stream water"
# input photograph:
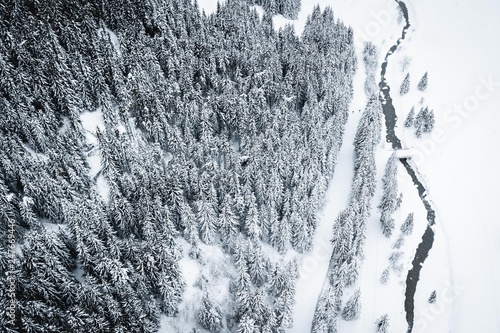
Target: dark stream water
(391, 137)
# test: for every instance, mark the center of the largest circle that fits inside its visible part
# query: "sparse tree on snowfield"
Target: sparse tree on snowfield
(407, 226)
(422, 85)
(385, 276)
(405, 63)
(352, 308)
(394, 260)
(432, 297)
(405, 85)
(399, 242)
(410, 118)
(382, 324)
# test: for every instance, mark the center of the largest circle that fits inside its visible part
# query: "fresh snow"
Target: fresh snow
(209, 6)
(91, 121)
(457, 43)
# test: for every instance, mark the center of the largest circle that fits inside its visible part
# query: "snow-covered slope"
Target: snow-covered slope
(457, 43)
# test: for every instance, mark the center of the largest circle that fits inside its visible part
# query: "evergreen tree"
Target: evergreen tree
(228, 221)
(246, 325)
(385, 276)
(410, 118)
(382, 324)
(388, 203)
(407, 226)
(432, 297)
(352, 308)
(422, 84)
(206, 217)
(257, 264)
(209, 315)
(405, 85)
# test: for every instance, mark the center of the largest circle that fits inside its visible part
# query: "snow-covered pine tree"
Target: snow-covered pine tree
(388, 202)
(382, 323)
(352, 308)
(257, 264)
(407, 226)
(410, 118)
(422, 84)
(252, 221)
(299, 233)
(399, 242)
(384, 277)
(387, 223)
(228, 221)
(432, 297)
(429, 121)
(394, 260)
(424, 121)
(246, 324)
(325, 316)
(209, 315)
(370, 56)
(259, 309)
(405, 85)
(207, 220)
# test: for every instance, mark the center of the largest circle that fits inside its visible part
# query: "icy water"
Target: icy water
(391, 137)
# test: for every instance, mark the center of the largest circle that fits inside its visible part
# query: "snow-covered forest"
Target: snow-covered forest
(143, 138)
(176, 166)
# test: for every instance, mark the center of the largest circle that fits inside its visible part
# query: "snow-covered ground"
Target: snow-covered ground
(457, 43)
(91, 121)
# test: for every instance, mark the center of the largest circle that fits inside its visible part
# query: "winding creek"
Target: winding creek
(391, 137)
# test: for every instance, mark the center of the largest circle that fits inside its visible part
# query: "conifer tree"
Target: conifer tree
(432, 297)
(206, 220)
(352, 308)
(246, 325)
(407, 226)
(405, 85)
(388, 203)
(384, 277)
(382, 324)
(257, 264)
(422, 84)
(410, 118)
(209, 315)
